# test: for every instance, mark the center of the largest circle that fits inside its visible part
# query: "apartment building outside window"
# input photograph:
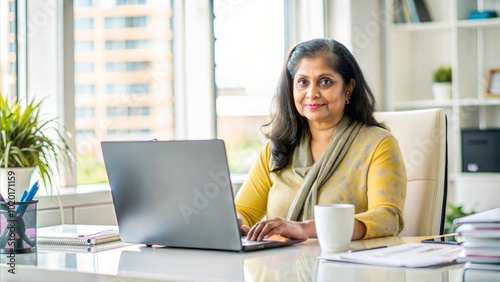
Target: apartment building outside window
(129, 87)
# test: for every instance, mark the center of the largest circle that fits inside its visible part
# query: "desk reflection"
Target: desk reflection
(290, 263)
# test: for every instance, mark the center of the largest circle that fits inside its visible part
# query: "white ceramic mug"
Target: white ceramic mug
(334, 226)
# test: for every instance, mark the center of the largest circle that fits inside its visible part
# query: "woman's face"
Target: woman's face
(319, 92)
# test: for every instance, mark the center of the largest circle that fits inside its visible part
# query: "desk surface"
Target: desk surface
(293, 263)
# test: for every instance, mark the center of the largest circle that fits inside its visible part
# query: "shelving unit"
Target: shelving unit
(470, 47)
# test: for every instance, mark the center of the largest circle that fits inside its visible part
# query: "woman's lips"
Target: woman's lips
(314, 106)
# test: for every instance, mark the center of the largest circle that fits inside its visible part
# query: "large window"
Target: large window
(8, 48)
(249, 52)
(120, 86)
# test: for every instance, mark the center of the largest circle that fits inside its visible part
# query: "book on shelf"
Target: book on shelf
(478, 272)
(81, 248)
(77, 234)
(422, 11)
(411, 11)
(399, 13)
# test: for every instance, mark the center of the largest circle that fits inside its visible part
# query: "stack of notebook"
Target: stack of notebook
(78, 238)
(481, 247)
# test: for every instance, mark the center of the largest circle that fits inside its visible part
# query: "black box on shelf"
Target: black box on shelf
(481, 150)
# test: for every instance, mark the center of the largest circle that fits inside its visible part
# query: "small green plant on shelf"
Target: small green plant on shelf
(453, 212)
(442, 74)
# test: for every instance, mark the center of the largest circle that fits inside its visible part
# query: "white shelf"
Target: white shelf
(493, 22)
(424, 104)
(425, 26)
(415, 50)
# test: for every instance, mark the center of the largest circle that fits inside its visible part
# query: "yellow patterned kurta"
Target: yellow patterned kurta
(371, 176)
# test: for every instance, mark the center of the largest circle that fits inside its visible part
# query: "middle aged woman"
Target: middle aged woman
(324, 147)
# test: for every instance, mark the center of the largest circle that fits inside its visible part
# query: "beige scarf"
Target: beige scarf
(317, 174)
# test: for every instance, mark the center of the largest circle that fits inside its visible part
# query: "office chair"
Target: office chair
(422, 139)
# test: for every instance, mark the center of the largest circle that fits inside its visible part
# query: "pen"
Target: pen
(32, 192)
(23, 196)
(29, 196)
(368, 249)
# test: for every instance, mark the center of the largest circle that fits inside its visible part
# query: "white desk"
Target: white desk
(293, 263)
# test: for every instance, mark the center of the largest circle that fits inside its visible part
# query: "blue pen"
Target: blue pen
(23, 196)
(29, 196)
(32, 192)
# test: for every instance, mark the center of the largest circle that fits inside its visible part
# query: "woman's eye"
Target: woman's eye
(302, 82)
(326, 82)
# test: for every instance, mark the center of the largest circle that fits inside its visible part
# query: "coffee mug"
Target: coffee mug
(334, 226)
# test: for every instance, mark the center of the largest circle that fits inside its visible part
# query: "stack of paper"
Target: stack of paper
(481, 232)
(406, 255)
(78, 238)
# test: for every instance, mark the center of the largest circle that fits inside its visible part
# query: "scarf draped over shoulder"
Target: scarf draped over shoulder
(315, 176)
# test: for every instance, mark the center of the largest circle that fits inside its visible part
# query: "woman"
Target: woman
(325, 147)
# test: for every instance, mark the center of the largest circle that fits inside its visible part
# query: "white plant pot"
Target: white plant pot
(441, 91)
(14, 180)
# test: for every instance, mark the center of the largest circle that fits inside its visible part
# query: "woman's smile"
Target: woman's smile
(314, 106)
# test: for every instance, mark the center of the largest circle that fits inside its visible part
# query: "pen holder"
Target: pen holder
(18, 227)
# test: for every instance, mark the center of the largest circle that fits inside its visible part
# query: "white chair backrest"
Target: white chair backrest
(422, 139)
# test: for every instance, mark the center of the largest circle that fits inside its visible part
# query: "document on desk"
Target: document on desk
(406, 255)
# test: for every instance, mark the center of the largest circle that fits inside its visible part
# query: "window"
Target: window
(126, 66)
(130, 2)
(85, 112)
(248, 57)
(126, 44)
(125, 22)
(83, 24)
(84, 46)
(84, 67)
(83, 89)
(127, 105)
(128, 111)
(8, 50)
(127, 88)
(82, 3)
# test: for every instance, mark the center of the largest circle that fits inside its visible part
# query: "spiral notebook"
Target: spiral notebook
(77, 234)
(81, 249)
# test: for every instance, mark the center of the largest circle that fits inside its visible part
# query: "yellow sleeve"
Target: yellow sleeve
(251, 199)
(386, 191)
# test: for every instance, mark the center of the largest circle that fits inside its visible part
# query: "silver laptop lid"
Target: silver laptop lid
(173, 193)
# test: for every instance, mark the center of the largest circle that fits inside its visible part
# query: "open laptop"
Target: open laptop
(176, 194)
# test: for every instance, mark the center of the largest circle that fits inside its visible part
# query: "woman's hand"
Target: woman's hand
(243, 228)
(278, 226)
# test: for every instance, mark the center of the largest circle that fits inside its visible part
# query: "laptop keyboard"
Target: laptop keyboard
(246, 242)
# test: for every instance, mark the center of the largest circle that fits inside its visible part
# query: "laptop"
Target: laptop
(176, 194)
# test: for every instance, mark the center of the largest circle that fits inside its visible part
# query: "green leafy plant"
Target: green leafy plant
(29, 140)
(453, 212)
(442, 74)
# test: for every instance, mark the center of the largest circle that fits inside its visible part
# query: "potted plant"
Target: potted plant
(28, 142)
(441, 87)
(453, 212)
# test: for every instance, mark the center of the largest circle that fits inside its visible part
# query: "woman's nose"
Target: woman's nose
(313, 91)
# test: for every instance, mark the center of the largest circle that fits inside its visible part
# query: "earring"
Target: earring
(347, 102)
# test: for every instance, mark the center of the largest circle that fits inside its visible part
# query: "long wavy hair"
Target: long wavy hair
(287, 125)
